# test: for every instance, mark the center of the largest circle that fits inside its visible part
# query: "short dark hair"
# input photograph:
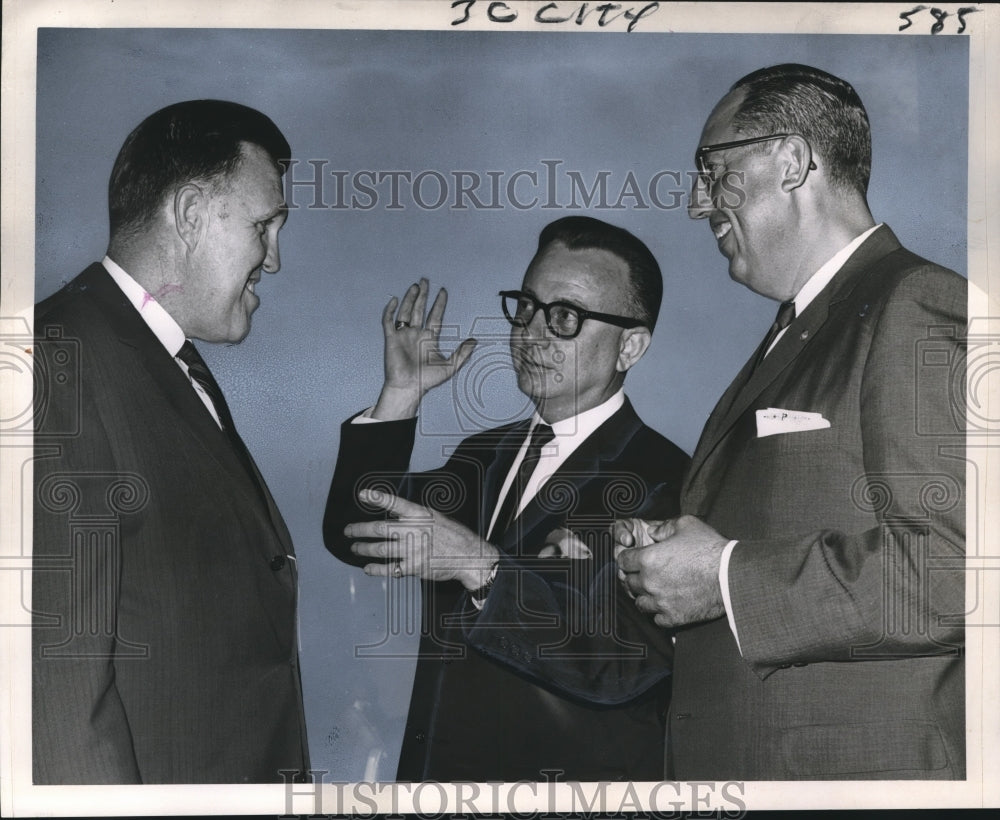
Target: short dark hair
(585, 232)
(826, 110)
(186, 141)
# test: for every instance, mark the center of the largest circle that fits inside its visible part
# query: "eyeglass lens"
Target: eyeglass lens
(560, 319)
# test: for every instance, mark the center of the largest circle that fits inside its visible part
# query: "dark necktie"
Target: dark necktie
(199, 371)
(786, 314)
(540, 436)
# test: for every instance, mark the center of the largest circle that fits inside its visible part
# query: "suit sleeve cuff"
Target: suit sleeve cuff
(724, 585)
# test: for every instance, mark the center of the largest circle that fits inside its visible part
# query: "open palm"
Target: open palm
(414, 363)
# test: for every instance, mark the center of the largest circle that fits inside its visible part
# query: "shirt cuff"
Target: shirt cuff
(366, 417)
(724, 585)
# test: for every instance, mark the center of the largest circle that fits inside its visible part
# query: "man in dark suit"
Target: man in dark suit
(818, 570)
(488, 531)
(164, 585)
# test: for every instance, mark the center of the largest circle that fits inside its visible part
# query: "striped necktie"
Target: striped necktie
(198, 370)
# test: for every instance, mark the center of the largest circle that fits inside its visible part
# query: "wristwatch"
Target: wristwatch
(479, 594)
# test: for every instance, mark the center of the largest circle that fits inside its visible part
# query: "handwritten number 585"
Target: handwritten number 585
(939, 16)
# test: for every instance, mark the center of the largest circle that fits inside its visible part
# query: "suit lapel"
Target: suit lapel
(748, 386)
(157, 372)
(592, 459)
(506, 451)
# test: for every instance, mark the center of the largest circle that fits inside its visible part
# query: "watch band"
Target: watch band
(480, 593)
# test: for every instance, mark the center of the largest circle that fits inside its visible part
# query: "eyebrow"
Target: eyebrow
(278, 210)
(569, 302)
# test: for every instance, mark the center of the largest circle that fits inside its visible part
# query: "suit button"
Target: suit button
(420, 737)
(682, 716)
(277, 562)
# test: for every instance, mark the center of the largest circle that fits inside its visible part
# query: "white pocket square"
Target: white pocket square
(775, 420)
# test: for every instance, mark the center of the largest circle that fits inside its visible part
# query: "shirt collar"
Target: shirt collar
(819, 280)
(581, 425)
(162, 324)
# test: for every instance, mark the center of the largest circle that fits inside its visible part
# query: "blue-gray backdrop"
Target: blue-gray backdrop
(454, 110)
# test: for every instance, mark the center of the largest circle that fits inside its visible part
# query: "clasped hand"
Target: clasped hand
(416, 540)
(671, 568)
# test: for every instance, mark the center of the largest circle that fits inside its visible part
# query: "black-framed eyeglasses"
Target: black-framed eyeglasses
(705, 150)
(562, 318)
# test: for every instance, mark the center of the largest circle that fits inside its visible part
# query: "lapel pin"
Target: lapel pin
(804, 335)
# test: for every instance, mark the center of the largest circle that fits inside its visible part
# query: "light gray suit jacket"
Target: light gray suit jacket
(847, 585)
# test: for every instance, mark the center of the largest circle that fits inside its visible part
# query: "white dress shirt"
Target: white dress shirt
(809, 291)
(568, 435)
(162, 324)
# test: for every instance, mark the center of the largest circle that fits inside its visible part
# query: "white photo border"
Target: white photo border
(21, 23)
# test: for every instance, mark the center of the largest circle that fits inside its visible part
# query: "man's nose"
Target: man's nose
(700, 201)
(536, 328)
(272, 261)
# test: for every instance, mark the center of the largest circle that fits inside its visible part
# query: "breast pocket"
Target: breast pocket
(799, 441)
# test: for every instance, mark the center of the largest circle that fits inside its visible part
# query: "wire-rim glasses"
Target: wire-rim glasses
(705, 150)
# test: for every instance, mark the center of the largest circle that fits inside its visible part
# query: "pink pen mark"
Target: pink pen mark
(164, 291)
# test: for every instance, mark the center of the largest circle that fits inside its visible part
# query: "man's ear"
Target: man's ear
(632, 344)
(190, 214)
(797, 154)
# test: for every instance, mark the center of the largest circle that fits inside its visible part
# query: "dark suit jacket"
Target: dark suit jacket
(847, 584)
(164, 634)
(481, 718)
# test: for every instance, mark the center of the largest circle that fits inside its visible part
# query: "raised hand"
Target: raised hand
(414, 363)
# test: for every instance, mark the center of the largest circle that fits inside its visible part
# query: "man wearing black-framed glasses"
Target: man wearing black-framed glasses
(512, 535)
(821, 587)
(564, 319)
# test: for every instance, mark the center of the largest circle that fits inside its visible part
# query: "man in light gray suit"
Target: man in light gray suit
(817, 571)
